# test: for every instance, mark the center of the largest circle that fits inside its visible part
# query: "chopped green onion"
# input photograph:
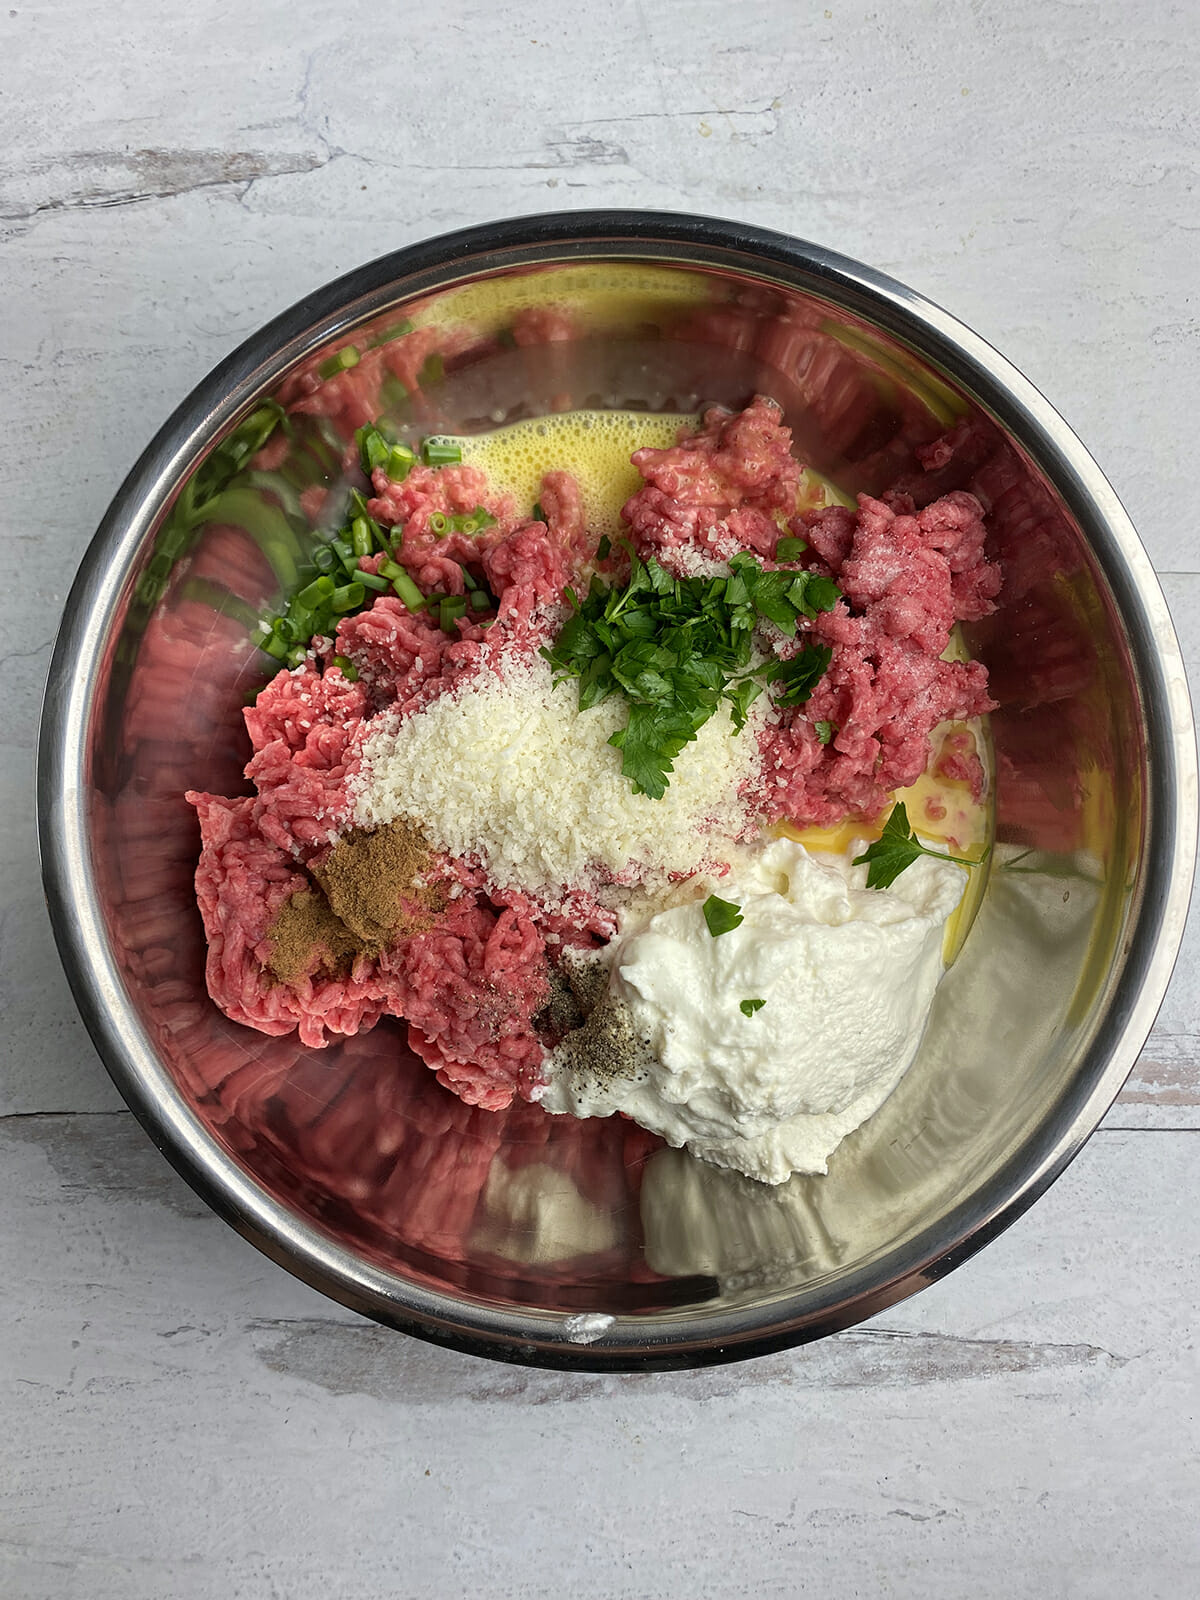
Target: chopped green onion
(296, 655)
(406, 589)
(749, 1007)
(287, 630)
(324, 559)
(344, 551)
(347, 597)
(391, 569)
(392, 394)
(346, 667)
(318, 590)
(538, 514)
(341, 362)
(479, 600)
(373, 448)
(604, 548)
(396, 331)
(472, 522)
(274, 646)
(433, 371)
(360, 534)
(451, 608)
(439, 524)
(468, 579)
(173, 541)
(399, 463)
(790, 549)
(372, 580)
(440, 452)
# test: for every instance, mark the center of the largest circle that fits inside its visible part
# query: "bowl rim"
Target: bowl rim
(527, 1335)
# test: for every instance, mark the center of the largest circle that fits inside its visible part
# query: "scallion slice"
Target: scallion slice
(341, 362)
(349, 596)
(360, 535)
(396, 331)
(407, 590)
(440, 453)
(319, 589)
(373, 448)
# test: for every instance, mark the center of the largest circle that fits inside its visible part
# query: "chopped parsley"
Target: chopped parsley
(788, 549)
(749, 1007)
(722, 916)
(675, 648)
(898, 848)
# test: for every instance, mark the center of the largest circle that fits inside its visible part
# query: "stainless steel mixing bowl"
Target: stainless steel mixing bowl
(586, 1244)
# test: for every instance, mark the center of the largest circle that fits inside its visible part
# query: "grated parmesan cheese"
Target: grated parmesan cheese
(504, 768)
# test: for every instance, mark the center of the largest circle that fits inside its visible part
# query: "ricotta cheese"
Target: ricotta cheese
(846, 976)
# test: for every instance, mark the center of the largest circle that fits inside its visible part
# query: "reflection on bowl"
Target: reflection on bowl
(588, 1243)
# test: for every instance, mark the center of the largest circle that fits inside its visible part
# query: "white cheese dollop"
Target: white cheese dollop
(847, 975)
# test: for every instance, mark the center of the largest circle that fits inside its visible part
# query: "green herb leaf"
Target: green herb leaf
(675, 648)
(801, 675)
(897, 849)
(722, 916)
(788, 549)
(824, 731)
(749, 1007)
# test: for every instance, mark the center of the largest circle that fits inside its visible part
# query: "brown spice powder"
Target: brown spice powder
(373, 880)
(306, 928)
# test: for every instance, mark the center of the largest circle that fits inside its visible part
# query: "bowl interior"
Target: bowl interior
(517, 1220)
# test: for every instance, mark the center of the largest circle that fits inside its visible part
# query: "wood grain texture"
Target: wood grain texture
(188, 1421)
(181, 1419)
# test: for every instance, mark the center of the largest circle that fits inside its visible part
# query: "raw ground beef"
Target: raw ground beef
(717, 491)
(471, 983)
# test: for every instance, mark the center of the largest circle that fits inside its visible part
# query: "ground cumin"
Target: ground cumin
(374, 881)
(306, 928)
(369, 893)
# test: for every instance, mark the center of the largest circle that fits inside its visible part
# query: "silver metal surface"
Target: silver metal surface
(584, 1244)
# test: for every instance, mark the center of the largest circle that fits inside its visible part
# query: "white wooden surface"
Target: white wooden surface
(180, 1418)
